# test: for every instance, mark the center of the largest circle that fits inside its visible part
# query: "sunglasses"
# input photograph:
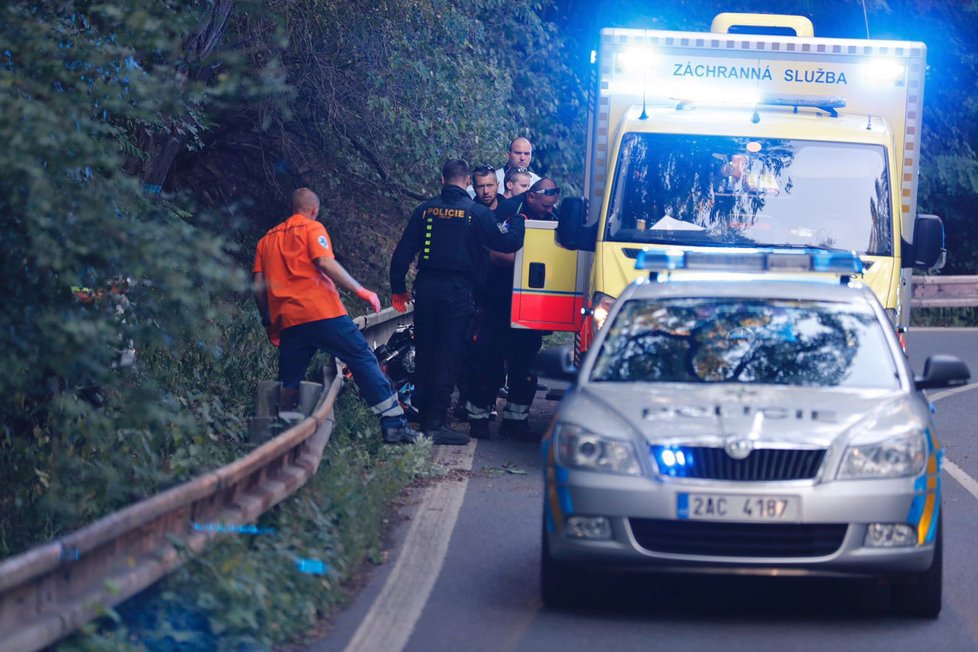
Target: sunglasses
(483, 170)
(546, 192)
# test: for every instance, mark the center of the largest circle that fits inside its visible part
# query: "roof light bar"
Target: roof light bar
(750, 260)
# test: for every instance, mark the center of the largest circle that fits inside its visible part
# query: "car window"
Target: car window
(751, 341)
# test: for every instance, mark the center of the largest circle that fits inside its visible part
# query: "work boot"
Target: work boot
(479, 428)
(515, 429)
(445, 436)
(401, 434)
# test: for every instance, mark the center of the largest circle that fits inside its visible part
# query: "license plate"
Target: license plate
(731, 507)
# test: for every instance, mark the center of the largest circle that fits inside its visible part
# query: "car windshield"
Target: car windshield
(749, 341)
(723, 190)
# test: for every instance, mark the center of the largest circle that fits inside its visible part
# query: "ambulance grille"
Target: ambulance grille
(755, 540)
(762, 465)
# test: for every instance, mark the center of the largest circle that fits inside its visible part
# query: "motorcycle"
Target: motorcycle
(397, 360)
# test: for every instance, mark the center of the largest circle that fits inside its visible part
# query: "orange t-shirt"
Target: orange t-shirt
(298, 292)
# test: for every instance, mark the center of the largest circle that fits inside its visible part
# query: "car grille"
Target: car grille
(763, 464)
(738, 539)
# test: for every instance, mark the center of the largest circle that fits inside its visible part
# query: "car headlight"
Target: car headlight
(896, 457)
(600, 307)
(581, 449)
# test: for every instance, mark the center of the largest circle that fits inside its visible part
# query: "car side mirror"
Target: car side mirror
(943, 370)
(927, 251)
(573, 231)
(555, 362)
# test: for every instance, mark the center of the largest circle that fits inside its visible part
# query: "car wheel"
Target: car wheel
(921, 596)
(558, 587)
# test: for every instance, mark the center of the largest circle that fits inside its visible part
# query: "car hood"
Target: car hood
(707, 415)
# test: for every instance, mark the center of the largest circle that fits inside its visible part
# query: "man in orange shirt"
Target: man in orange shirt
(295, 279)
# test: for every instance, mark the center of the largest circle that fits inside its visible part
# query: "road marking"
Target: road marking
(951, 392)
(393, 615)
(963, 478)
(955, 471)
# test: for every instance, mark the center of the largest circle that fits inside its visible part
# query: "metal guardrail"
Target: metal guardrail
(53, 589)
(945, 292)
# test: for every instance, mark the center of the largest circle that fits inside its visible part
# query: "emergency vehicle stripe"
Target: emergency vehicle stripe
(558, 495)
(547, 310)
(925, 507)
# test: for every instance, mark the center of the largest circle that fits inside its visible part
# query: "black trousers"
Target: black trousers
(442, 315)
(499, 354)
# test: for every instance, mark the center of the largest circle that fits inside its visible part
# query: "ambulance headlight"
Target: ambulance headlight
(600, 307)
(636, 62)
(884, 70)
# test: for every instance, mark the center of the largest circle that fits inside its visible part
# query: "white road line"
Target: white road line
(951, 392)
(955, 471)
(963, 478)
(393, 615)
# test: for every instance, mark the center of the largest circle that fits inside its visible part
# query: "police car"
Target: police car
(750, 411)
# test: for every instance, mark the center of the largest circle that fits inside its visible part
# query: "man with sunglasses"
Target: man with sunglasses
(486, 187)
(499, 350)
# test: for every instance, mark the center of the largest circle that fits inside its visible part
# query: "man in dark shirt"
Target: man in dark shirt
(450, 234)
(500, 351)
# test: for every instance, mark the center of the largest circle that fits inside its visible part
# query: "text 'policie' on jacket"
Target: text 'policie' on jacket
(450, 235)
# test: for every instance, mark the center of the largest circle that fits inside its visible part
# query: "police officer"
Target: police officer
(500, 351)
(452, 234)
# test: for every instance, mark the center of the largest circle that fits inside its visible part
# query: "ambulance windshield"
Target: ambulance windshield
(730, 191)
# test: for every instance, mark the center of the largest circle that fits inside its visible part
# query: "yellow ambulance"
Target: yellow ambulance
(755, 135)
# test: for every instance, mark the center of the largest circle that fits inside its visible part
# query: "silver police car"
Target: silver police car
(751, 412)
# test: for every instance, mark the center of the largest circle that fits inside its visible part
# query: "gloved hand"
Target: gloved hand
(401, 301)
(369, 297)
(273, 336)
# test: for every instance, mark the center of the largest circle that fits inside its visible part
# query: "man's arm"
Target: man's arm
(260, 292)
(407, 248)
(499, 259)
(496, 236)
(338, 274)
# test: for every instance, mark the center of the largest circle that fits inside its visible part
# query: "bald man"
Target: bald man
(519, 156)
(295, 279)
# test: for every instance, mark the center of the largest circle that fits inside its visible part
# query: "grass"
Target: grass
(251, 592)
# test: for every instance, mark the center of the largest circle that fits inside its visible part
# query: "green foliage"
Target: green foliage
(92, 263)
(246, 591)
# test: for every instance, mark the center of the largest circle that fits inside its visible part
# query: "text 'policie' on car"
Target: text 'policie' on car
(750, 411)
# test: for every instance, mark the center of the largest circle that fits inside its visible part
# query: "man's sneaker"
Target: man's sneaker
(400, 435)
(479, 428)
(445, 436)
(515, 429)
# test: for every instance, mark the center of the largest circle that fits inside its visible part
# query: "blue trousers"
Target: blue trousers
(340, 337)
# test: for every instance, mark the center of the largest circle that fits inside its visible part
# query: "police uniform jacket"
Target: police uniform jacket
(450, 234)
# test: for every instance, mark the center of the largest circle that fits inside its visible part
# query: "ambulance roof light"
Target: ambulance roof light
(736, 259)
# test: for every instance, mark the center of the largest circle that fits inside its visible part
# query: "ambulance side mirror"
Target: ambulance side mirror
(573, 231)
(927, 251)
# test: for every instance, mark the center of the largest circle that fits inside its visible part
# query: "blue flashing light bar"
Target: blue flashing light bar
(750, 260)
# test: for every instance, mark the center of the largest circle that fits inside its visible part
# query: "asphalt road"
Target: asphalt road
(463, 572)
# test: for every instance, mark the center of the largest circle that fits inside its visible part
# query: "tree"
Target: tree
(91, 262)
